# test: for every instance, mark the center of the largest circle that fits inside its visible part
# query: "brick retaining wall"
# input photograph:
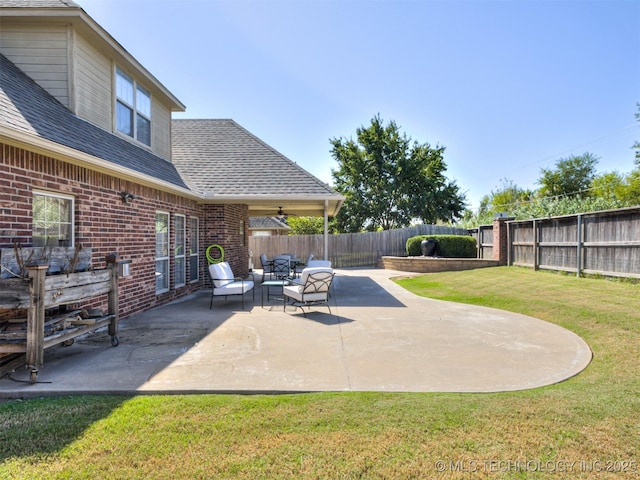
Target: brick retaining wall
(432, 265)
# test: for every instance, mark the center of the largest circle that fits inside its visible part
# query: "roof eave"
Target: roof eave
(296, 204)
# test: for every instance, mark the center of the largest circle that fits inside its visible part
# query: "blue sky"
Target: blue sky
(508, 87)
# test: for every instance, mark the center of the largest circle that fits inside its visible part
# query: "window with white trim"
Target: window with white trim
(162, 252)
(52, 216)
(179, 264)
(194, 245)
(241, 234)
(133, 108)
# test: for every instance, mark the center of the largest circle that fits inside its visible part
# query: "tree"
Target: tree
(505, 198)
(572, 176)
(608, 185)
(306, 225)
(388, 181)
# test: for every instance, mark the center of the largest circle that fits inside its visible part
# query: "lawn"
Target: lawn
(585, 427)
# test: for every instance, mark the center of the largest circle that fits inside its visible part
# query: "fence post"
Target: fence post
(113, 297)
(35, 319)
(536, 258)
(509, 244)
(579, 246)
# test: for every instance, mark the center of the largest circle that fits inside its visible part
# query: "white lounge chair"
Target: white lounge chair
(224, 283)
(312, 288)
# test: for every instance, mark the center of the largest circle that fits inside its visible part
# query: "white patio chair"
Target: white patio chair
(319, 263)
(302, 266)
(312, 289)
(224, 283)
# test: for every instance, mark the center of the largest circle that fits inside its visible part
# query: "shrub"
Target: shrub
(450, 246)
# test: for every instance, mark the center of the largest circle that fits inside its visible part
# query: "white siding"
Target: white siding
(41, 51)
(93, 79)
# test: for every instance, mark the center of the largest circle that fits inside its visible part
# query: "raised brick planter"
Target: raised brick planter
(432, 265)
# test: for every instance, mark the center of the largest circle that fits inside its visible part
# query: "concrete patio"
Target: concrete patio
(379, 337)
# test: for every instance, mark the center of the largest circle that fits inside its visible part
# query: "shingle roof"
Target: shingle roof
(267, 223)
(27, 107)
(221, 158)
(38, 3)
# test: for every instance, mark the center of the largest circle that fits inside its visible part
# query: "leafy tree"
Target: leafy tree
(388, 181)
(306, 225)
(572, 176)
(629, 193)
(607, 185)
(505, 198)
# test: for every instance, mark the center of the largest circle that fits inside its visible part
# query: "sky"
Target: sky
(508, 87)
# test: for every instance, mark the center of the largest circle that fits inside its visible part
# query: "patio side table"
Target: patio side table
(266, 286)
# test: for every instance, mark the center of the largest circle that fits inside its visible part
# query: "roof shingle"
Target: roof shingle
(220, 158)
(38, 4)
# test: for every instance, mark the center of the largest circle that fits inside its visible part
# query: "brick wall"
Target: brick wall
(222, 227)
(104, 223)
(500, 240)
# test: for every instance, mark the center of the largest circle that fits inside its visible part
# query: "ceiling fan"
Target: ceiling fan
(282, 213)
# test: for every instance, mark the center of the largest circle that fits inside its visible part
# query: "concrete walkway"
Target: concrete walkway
(379, 338)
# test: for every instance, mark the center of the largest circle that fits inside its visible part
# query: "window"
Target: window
(193, 253)
(133, 108)
(180, 249)
(243, 239)
(162, 252)
(52, 220)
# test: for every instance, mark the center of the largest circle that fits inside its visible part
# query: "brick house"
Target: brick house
(86, 132)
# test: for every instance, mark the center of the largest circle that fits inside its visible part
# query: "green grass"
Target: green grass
(592, 419)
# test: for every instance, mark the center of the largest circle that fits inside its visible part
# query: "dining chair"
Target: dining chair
(281, 266)
(267, 266)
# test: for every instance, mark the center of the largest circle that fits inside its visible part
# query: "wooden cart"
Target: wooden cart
(40, 292)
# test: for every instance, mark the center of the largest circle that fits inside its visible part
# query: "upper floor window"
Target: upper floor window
(52, 220)
(133, 108)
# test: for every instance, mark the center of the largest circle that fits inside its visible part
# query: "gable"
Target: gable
(28, 111)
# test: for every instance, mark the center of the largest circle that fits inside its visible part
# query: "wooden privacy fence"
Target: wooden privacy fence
(606, 243)
(484, 241)
(346, 249)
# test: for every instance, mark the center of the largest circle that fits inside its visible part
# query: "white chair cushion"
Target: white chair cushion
(309, 270)
(295, 292)
(222, 274)
(234, 288)
(319, 263)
